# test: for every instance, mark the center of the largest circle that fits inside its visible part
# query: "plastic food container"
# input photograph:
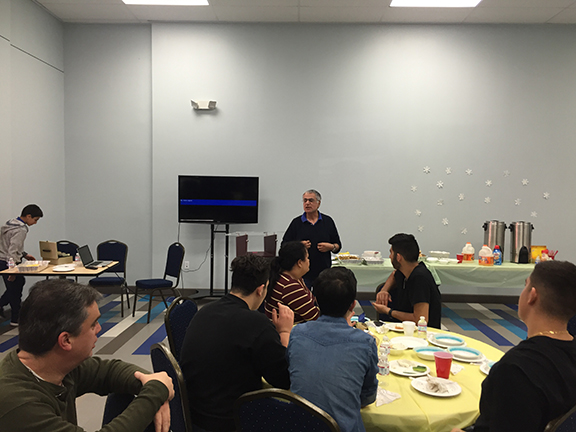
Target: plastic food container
(32, 266)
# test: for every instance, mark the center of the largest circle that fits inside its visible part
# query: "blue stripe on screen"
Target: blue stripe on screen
(219, 202)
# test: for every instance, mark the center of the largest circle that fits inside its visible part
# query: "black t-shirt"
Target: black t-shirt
(324, 230)
(533, 383)
(420, 287)
(227, 350)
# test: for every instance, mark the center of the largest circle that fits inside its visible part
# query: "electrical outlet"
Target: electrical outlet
(186, 265)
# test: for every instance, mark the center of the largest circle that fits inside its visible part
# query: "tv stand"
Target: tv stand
(213, 232)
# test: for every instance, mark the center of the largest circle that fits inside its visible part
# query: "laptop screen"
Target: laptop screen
(85, 255)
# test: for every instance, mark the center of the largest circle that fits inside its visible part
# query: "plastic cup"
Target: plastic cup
(459, 257)
(443, 362)
(409, 327)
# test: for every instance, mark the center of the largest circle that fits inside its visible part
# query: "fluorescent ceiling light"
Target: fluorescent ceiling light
(167, 2)
(435, 3)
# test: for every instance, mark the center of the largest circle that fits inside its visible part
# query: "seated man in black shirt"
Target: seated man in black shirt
(229, 347)
(535, 382)
(411, 285)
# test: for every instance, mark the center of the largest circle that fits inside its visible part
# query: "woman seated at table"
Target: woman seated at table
(286, 285)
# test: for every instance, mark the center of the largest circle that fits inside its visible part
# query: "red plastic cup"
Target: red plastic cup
(443, 362)
(459, 257)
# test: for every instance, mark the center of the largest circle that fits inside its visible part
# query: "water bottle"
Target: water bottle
(497, 255)
(422, 328)
(11, 263)
(77, 261)
(384, 351)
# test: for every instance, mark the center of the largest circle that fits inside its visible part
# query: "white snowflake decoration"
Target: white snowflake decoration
(464, 231)
(534, 214)
(546, 195)
(525, 182)
(487, 200)
(506, 173)
(488, 183)
(517, 201)
(440, 184)
(445, 221)
(440, 202)
(426, 170)
(418, 213)
(420, 228)
(461, 197)
(413, 188)
(469, 171)
(448, 170)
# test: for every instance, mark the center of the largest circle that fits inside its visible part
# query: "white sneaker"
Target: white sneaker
(13, 324)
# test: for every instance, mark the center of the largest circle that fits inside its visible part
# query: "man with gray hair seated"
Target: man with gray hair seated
(318, 233)
(54, 365)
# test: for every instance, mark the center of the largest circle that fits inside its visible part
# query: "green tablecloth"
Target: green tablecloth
(507, 275)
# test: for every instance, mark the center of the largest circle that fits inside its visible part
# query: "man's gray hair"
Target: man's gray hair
(315, 192)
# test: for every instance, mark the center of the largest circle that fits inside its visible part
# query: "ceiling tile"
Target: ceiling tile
(512, 15)
(425, 15)
(256, 14)
(173, 13)
(91, 11)
(341, 14)
(567, 16)
(278, 3)
(525, 3)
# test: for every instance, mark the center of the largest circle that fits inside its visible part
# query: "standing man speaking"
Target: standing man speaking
(318, 233)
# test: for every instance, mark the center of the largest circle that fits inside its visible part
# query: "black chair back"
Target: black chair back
(176, 320)
(163, 360)
(280, 411)
(114, 250)
(174, 261)
(572, 326)
(68, 247)
(566, 423)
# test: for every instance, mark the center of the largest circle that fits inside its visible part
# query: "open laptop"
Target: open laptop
(88, 260)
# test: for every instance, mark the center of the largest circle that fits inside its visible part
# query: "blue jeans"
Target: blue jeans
(13, 293)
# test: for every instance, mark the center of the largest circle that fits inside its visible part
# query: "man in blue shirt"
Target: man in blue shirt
(332, 364)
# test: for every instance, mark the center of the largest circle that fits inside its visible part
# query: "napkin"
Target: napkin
(455, 368)
(385, 396)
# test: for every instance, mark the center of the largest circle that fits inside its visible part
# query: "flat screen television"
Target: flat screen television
(217, 199)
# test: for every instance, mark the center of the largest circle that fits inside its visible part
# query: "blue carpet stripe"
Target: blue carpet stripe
(156, 310)
(491, 333)
(158, 336)
(512, 328)
(105, 327)
(10, 343)
(513, 307)
(108, 307)
(458, 320)
(512, 320)
(364, 302)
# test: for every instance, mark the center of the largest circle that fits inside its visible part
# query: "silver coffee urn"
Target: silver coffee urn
(521, 242)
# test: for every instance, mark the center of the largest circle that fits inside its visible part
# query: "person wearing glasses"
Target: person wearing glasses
(318, 232)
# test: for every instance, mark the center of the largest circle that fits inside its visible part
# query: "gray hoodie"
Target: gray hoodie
(12, 236)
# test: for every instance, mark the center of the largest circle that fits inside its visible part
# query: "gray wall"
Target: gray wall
(356, 111)
(32, 118)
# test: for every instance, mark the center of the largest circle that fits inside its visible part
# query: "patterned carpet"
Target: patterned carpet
(130, 338)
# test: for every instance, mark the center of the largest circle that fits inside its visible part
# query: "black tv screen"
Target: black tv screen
(212, 199)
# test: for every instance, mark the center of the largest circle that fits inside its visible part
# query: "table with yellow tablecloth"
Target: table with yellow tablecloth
(417, 412)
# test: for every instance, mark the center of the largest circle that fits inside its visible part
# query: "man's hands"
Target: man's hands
(29, 257)
(325, 247)
(307, 243)
(383, 297)
(159, 376)
(380, 308)
(283, 319)
(162, 418)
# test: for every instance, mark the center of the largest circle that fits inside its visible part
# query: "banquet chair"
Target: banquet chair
(565, 423)
(113, 250)
(116, 403)
(173, 269)
(176, 321)
(572, 326)
(164, 361)
(280, 411)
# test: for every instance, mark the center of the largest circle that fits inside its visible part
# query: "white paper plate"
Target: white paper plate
(445, 341)
(486, 366)
(421, 384)
(409, 341)
(427, 352)
(64, 268)
(397, 327)
(467, 355)
(408, 371)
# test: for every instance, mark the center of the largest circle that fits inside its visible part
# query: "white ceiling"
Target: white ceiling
(314, 11)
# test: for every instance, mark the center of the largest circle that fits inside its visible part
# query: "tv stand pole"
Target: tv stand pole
(213, 233)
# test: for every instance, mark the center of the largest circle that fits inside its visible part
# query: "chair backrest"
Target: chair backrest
(68, 247)
(114, 250)
(163, 360)
(242, 245)
(566, 423)
(572, 325)
(176, 321)
(280, 411)
(174, 261)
